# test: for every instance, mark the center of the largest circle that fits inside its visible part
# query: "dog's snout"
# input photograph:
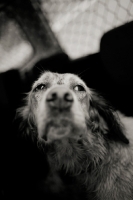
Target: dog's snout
(60, 98)
(68, 97)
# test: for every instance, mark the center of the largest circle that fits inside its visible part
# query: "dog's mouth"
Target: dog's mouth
(60, 129)
(57, 131)
(62, 139)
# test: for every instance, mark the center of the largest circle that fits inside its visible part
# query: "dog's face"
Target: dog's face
(60, 105)
(71, 122)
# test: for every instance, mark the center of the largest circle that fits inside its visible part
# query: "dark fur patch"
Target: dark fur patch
(99, 108)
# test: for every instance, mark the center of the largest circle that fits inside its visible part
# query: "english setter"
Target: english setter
(81, 134)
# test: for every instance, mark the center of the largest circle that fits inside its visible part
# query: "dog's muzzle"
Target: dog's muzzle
(59, 98)
(55, 120)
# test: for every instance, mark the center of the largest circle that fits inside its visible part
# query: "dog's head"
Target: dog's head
(72, 123)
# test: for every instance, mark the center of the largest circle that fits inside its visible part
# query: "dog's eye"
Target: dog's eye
(40, 87)
(79, 88)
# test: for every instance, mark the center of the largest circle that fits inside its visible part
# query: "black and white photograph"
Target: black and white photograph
(66, 99)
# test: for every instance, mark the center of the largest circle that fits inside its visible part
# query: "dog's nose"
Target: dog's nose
(60, 98)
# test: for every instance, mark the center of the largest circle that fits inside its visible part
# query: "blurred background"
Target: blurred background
(78, 25)
(91, 38)
(79, 36)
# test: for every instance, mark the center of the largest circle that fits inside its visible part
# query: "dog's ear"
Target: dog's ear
(103, 118)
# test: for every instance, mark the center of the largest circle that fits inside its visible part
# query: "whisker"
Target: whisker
(40, 69)
(83, 72)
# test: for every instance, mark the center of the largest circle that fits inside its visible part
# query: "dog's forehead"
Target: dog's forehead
(55, 78)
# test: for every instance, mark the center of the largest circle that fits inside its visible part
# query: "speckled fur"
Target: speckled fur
(102, 159)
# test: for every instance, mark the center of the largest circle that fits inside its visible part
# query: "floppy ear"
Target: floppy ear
(104, 119)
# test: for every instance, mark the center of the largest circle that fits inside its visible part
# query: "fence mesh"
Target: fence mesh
(79, 24)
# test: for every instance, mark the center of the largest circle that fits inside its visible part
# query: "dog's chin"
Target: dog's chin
(62, 140)
(62, 129)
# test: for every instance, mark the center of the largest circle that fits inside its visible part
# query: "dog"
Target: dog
(81, 135)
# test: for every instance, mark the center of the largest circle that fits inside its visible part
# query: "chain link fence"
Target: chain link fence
(79, 24)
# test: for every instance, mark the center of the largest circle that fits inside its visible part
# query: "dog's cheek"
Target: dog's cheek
(30, 113)
(78, 114)
(85, 106)
(41, 116)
